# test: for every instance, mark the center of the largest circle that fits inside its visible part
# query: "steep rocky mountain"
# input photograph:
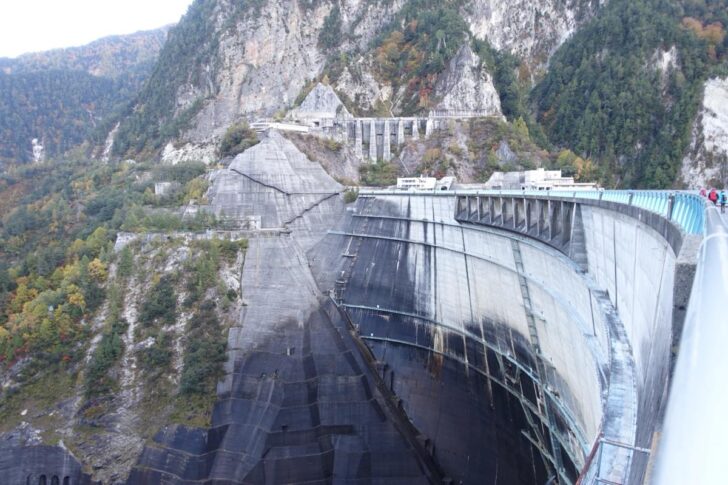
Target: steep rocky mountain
(381, 57)
(573, 71)
(625, 101)
(62, 97)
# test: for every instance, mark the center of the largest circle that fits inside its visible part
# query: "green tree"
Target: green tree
(238, 138)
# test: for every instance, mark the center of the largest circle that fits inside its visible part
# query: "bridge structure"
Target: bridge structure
(373, 138)
(377, 138)
(604, 281)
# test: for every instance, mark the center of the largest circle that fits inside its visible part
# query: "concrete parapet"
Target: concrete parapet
(386, 142)
(373, 140)
(461, 114)
(358, 139)
(553, 221)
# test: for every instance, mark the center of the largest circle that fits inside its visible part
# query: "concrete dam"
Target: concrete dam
(515, 360)
(437, 337)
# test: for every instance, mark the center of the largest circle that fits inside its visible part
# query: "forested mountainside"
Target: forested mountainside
(626, 88)
(64, 97)
(110, 57)
(74, 307)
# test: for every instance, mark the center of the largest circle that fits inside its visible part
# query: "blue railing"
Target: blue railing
(686, 209)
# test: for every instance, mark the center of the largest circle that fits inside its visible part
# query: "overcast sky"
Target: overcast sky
(36, 25)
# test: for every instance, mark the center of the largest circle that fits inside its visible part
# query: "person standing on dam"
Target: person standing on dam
(722, 200)
(713, 196)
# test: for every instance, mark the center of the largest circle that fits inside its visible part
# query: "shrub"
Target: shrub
(109, 350)
(333, 145)
(158, 356)
(350, 196)
(238, 138)
(126, 263)
(330, 35)
(378, 174)
(160, 305)
(204, 354)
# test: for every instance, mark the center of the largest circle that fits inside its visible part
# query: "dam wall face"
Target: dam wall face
(636, 265)
(514, 362)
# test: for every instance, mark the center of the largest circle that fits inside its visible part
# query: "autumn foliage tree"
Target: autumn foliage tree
(415, 51)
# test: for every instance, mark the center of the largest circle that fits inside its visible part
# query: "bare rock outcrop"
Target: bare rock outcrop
(707, 160)
(467, 87)
(532, 30)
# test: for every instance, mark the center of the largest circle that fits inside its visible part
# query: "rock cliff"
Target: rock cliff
(467, 87)
(259, 57)
(321, 102)
(706, 163)
(530, 30)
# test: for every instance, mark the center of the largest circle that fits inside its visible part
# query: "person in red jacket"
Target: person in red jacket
(713, 196)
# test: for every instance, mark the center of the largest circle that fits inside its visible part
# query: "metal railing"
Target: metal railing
(693, 445)
(683, 208)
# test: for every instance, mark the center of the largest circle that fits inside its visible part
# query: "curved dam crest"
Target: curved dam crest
(400, 340)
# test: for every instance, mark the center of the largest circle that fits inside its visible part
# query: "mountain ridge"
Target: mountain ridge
(65, 97)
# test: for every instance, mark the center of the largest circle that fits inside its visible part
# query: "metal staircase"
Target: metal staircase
(541, 366)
